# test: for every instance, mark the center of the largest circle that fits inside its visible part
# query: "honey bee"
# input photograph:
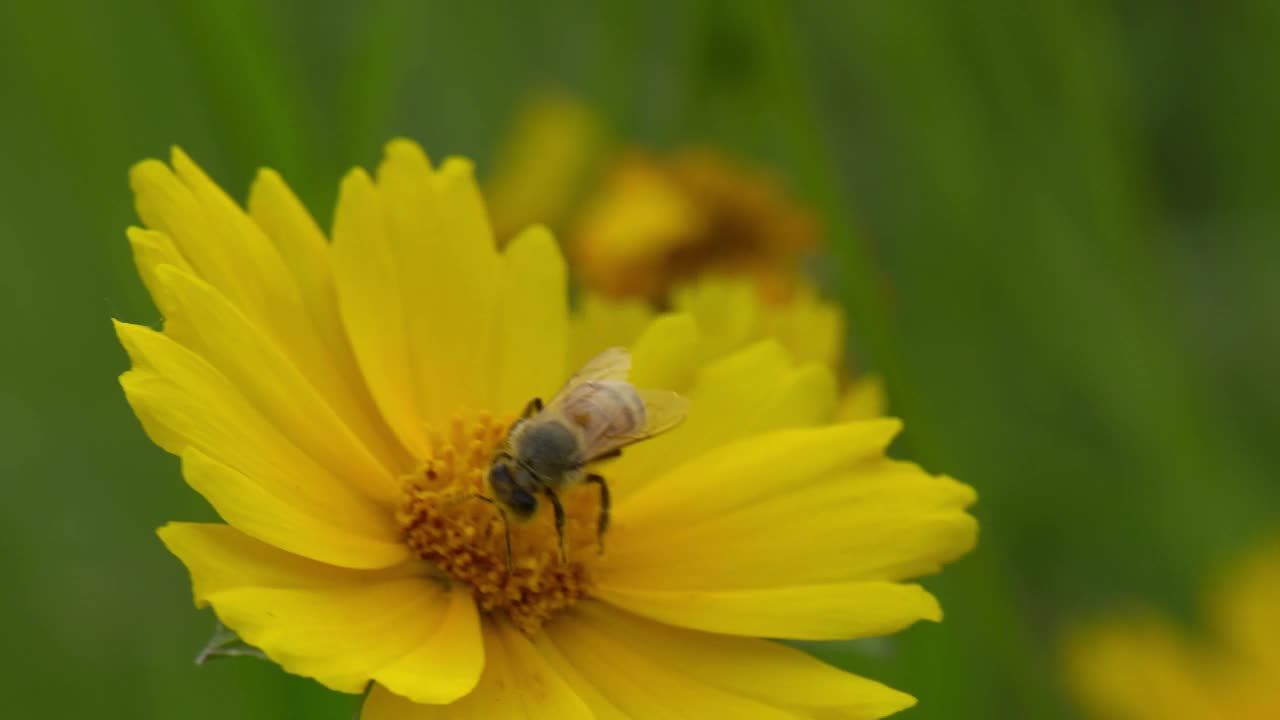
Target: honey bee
(549, 448)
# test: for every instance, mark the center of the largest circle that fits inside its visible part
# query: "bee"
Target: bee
(549, 448)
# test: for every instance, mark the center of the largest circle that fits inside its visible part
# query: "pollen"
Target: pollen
(446, 523)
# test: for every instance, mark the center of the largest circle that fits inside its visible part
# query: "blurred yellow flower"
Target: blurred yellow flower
(554, 146)
(1143, 667)
(332, 400)
(638, 224)
(654, 223)
(696, 232)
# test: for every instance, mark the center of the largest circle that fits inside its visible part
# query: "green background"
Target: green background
(1055, 227)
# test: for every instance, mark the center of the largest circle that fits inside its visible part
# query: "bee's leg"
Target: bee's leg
(603, 523)
(506, 524)
(559, 512)
(534, 406)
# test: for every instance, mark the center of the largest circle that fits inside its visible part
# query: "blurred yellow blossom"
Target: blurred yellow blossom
(695, 231)
(544, 165)
(1143, 667)
(655, 222)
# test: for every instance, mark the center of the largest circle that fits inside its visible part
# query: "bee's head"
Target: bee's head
(507, 490)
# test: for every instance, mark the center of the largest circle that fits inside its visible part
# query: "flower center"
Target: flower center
(446, 524)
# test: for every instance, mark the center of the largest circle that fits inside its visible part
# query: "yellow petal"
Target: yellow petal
(339, 626)
(600, 705)
(854, 713)
(264, 512)
(186, 404)
(300, 242)
(804, 398)
(368, 281)
(517, 684)
(533, 320)
(805, 543)
(462, 205)
(448, 664)
(151, 250)
(665, 355)
(1246, 607)
(812, 330)
(640, 685)
(749, 392)
(287, 296)
(448, 265)
(1140, 668)
(721, 411)
(758, 466)
(884, 520)
(232, 253)
(540, 168)
(759, 669)
(306, 252)
(252, 362)
(812, 612)
(864, 399)
(167, 205)
(730, 396)
(598, 323)
(727, 311)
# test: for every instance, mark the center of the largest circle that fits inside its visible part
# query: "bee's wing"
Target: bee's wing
(611, 364)
(664, 409)
(615, 414)
(606, 369)
(610, 412)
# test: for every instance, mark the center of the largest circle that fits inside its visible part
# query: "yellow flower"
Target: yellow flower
(334, 400)
(1142, 667)
(732, 316)
(555, 145)
(656, 222)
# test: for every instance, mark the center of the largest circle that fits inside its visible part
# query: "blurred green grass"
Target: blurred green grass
(1055, 224)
